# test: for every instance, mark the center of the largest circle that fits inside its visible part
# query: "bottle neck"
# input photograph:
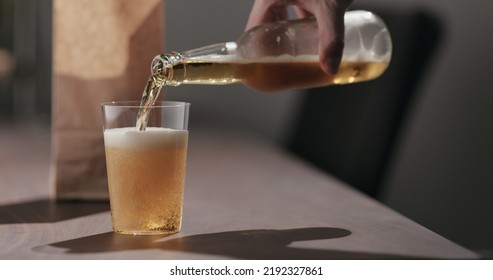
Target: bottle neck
(176, 68)
(162, 65)
(212, 51)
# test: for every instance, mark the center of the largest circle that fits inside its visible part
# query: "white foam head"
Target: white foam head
(152, 137)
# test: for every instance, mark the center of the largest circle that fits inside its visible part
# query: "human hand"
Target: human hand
(330, 19)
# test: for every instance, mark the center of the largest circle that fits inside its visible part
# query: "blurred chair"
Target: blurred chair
(351, 131)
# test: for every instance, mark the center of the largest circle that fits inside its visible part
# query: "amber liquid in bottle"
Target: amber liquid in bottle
(272, 76)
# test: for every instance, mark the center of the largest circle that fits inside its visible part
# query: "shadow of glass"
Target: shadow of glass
(246, 244)
(49, 211)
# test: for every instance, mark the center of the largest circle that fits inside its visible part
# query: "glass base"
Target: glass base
(147, 232)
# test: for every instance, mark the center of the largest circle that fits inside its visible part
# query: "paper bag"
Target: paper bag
(102, 51)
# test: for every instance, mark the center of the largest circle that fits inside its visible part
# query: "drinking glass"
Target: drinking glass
(146, 169)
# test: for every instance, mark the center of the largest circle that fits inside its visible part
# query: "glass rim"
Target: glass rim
(136, 104)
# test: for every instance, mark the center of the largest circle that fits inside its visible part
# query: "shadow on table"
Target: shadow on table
(49, 211)
(245, 244)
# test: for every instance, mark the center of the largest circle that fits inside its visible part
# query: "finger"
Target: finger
(266, 11)
(330, 21)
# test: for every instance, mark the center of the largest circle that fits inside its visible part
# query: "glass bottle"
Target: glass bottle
(282, 55)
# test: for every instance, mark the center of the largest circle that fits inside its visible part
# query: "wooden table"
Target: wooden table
(244, 199)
